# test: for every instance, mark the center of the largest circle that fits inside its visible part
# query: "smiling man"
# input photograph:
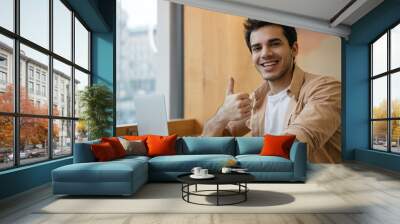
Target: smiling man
(289, 101)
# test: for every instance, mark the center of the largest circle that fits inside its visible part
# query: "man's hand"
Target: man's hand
(236, 106)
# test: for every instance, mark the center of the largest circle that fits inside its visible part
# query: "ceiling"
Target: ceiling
(333, 17)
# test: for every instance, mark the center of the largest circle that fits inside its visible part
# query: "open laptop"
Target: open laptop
(151, 114)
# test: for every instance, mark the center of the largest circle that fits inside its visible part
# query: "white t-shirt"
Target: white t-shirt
(277, 110)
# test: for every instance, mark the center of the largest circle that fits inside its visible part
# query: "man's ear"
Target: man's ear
(295, 49)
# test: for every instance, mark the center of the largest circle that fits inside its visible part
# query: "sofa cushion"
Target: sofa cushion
(161, 145)
(207, 145)
(132, 158)
(112, 171)
(103, 152)
(185, 163)
(134, 147)
(135, 137)
(116, 145)
(83, 152)
(249, 145)
(277, 145)
(257, 163)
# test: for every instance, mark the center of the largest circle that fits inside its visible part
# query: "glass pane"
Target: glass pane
(395, 47)
(33, 139)
(379, 98)
(6, 142)
(62, 138)
(379, 135)
(35, 21)
(62, 89)
(81, 131)
(395, 94)
(136, 56)
(6, 74)
(34, 81)
(81, 81)
(81, 45)
(379, 55)
(62, 29)
(7, 14)
(395, 138)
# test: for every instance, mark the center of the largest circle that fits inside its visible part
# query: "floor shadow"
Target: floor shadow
(255, 198)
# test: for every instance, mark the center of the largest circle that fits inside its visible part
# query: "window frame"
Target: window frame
(388, 74)
(16, 114)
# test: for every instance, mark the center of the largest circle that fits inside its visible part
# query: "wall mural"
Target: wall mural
(273, 99)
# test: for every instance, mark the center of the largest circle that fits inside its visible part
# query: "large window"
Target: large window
(136, 55)
(385, 91)
(44, 64)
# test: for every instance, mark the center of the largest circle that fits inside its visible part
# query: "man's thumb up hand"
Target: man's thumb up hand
(229, 89)
(236, 106)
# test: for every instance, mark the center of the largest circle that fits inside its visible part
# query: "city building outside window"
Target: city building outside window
(3, 78)
(30, 87)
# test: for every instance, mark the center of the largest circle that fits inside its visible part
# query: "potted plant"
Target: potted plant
(96, 103)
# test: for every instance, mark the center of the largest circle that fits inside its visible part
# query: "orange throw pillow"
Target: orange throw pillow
(135, 138)
(275, 145)
(161, 145)
(116, 145)
(103, 152)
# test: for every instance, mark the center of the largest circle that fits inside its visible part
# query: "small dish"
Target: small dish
(208, 176)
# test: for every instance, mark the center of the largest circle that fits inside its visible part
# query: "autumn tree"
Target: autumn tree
(380, 127)
(33, 130)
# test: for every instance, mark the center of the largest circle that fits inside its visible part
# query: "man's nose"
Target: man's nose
(266, 51)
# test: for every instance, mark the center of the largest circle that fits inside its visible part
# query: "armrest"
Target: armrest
(83, 152)
(298, 155)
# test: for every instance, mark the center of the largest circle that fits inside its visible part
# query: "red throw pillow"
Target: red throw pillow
(116, 145)
(277, 145)
(161, 145)
(103, 152)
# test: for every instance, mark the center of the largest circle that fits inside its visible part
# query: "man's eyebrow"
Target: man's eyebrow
(274, 40)
(255, 45)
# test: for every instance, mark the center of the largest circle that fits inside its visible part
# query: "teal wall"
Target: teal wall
(355, 76)
(24, 178)
(99, 16)
(103, 65)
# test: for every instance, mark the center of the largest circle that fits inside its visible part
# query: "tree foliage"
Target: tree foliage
(380, 127)
(33, 130)
(96, 102)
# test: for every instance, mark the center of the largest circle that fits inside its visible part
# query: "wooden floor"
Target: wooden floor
(377, 188)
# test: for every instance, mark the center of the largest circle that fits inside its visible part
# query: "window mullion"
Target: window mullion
(16, 85)
(73, 82)
(371, 89)
(50, 81)
(389, 113)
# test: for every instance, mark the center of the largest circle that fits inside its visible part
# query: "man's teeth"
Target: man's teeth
(272, 63)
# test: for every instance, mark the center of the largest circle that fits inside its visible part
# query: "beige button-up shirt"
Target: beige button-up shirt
(315, 118)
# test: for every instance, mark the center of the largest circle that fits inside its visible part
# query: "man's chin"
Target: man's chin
(270, 76)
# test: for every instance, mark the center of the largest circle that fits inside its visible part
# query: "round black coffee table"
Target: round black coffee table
(238, 179)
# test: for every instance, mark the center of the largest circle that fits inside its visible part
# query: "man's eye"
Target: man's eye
(275, 44)
(256, 49)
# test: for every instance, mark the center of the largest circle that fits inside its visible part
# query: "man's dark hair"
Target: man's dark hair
(252, 25)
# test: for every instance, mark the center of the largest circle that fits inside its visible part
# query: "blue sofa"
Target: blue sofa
(125, 176)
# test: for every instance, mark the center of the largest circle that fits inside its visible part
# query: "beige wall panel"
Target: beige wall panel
(214, 50)
(319, 53)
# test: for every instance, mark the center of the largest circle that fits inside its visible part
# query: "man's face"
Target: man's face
(271, 53)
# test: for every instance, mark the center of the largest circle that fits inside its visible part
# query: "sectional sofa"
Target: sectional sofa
(125, 176)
